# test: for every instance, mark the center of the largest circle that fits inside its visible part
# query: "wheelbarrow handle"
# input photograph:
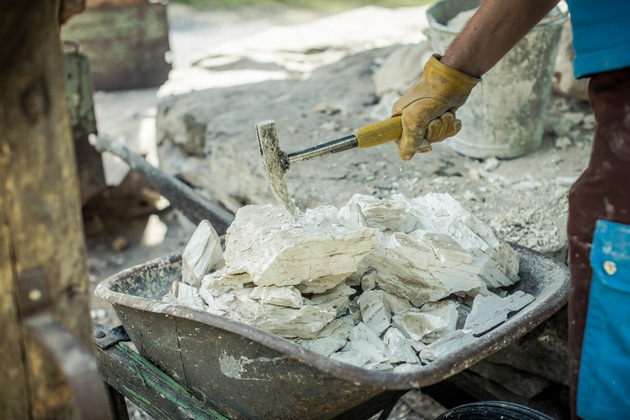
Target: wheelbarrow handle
(195, 207)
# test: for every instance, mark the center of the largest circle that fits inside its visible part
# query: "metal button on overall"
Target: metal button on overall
(610, 267)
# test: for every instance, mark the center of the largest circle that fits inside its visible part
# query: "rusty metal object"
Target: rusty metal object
(126, 43)
(247, 372)
(75, 361)
(105, 338)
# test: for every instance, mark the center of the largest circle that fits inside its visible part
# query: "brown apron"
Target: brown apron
(602, 192)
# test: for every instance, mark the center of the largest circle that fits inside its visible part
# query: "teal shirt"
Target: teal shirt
(601, 35)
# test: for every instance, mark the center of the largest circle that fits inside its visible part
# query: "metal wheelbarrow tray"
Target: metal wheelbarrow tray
(246, 372)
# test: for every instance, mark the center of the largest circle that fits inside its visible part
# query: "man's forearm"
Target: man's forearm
(496, 27)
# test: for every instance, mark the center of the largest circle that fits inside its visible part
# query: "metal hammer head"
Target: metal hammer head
(275, 162)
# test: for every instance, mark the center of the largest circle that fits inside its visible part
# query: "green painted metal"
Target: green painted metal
(148, 387)
(83, 121)
(79, 91)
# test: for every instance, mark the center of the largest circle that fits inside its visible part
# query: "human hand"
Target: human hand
(428, 107)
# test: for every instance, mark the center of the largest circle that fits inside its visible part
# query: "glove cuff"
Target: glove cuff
(452, 85)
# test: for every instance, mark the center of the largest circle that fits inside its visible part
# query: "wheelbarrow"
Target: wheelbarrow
(244, 372)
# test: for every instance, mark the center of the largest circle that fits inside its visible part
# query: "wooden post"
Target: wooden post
(40, 215)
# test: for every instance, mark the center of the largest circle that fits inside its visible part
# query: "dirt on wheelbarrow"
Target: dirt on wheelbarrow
(316, 94)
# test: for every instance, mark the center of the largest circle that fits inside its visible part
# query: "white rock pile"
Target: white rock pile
(379, 283)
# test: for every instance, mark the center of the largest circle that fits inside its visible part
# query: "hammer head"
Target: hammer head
(275, 162)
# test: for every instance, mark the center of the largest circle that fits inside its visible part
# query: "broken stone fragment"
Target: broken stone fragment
(433, 247)
(407, 367)
(365, 350)
(348, 355)
(489, 311)
(397, 305)
(351, 215)
(428, 324)
(331, 338)
(222, 281)
(368, 280)
(317, 251)
(355, 278)
(441, 213)
(375, 310)
(385, 214)
(365, 340)
(337, 299)
(400, 347)
(201, 254)
(287, 296)
(187, 295)
(452, 342)
(447, 311)
(229, 303)
(304, 322)
(420, 268)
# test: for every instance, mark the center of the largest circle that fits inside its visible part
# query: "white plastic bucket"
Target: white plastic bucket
(504, 115)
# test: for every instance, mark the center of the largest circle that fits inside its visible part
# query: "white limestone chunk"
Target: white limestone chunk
(355, 311)
(182, 290)
(331, 338)
(355, 278)
(385, 214)
(201, 254)
(375, 310)
(169, 298)
(441, 213)
(407, 367)
(287, 296)
(417, 345)
(455, 244)
(322, 285)
(397, 305)
(380, 366)
(450, 343)
(427, 325)
(220, 282)
(352, 216)
(368, 280)
(400, 346)
(274, 249)
(231, 304)
(220, 305)
(336, 299)
(304, 322)
(414, 266)
(365, 350)
(195, 302)
(361, 336)
(447, 310)
(489, 311)
(186, 295)
(351, 357)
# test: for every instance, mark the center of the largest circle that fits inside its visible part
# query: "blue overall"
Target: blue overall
(601, 35)
(604, 380)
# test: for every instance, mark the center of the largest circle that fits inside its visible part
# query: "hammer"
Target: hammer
(277, 162)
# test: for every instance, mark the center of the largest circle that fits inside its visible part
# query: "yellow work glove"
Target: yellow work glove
(428, 107)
